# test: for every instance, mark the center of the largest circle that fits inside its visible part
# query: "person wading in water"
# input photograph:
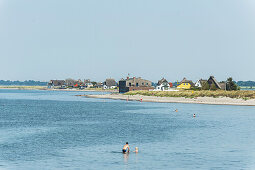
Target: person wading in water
(126, 148)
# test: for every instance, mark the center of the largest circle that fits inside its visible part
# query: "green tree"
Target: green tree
(205, 86)
(213, 87)
(94, 83)
(231, 85)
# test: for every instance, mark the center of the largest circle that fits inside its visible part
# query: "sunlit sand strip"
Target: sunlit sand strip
(198, 100)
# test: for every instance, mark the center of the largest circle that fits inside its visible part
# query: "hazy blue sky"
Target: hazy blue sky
(58, 39)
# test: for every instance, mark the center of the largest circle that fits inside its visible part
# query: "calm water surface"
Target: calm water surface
(57, 130)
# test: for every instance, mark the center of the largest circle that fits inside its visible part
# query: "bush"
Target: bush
(213, 87)
(205, 86)
(231, 85)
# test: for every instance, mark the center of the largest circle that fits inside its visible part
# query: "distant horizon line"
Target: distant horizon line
(101, 81)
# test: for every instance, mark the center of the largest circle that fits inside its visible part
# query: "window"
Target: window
(129, 84)
(136, 84)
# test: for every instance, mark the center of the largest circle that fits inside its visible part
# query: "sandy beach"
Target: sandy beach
(198, 100)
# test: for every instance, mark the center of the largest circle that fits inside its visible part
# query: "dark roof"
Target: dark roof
(70, 82)
(98, 84)
(163, 80)
(56, 82)
(110, 82)
(215, 81)
(87, 81)
(133, 78)
(187, 81)
(202, 81)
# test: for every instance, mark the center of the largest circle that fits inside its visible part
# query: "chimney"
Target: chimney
(127, 78)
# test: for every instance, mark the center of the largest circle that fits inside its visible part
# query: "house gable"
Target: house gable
(185, 84)
(212, 81)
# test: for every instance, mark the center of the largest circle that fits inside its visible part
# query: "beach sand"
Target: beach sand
(198, 100)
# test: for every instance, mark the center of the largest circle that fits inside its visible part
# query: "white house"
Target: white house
(199, 83)
(109, 84)
(87, 83)
(162, 85)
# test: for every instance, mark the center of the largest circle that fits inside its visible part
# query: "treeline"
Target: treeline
(22, 83)
(246, 83)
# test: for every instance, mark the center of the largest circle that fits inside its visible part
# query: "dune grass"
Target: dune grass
(243, 94)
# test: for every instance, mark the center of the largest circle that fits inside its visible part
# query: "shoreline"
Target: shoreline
(198, 100)
(145, 98)
(79, 90)
(45, 88)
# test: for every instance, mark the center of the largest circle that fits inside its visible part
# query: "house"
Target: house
(132, 84)
(87, 83)
(109, 84)
(199, 83)
(213, 82)
(185, 84)
(70, 82)
(79, 83)
(56, 83)
(223, 85)
(99, 85)
(162, 85)
(74, 83)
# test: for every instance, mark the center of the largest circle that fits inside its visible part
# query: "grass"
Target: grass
(247, 87)
(242, 94)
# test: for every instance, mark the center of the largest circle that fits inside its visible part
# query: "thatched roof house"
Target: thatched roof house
(162, 81)
(110, 83)
(56, 83)
(131, 84)
(187, 81)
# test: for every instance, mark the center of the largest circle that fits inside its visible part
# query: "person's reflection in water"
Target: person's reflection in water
(125, 156)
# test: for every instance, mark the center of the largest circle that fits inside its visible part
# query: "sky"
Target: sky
(99, 39)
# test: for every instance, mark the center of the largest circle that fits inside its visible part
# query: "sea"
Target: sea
(42, 129)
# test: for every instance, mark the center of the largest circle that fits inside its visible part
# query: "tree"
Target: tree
(213, 87)
(94, 83)
(231, 85)
(205, 86)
